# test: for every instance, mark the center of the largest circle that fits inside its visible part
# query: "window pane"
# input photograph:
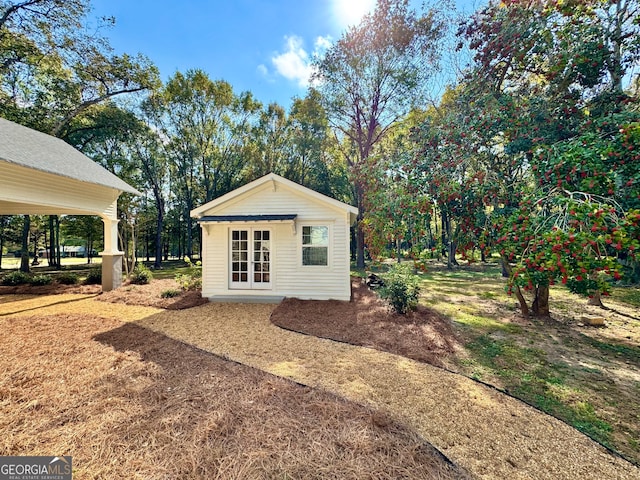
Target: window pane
(244, 277)
(265, 235)
(314, 255)
(243, 234)
(315, 235)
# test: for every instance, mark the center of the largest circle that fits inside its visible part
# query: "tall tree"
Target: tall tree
(52, 72)
(203, 123)
(549, 79)
(371, 78)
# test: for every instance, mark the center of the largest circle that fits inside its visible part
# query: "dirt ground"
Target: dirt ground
(127, 402)
(423, 335)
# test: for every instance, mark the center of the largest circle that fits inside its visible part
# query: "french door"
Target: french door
(250, 259)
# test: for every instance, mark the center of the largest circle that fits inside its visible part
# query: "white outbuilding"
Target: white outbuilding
(273, 238)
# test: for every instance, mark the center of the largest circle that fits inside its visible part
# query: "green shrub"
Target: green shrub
(141, 275)
(171, 293)
(401, 288)
(68, 278)
(94, 277)
(16, 278)
(39, 280)
(192, 280)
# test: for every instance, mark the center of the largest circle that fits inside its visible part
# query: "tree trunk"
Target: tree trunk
(88, 249)
(359, 191)
(58, 259)
(125, 259)
(596, 299)
(189, 245)
(159, 226)
(51, 255)
(24, 259)
(506, 269)
(134, 257)
(451, 254)
(504, 265)
(540, 305)
(147, 253)
(359, 246)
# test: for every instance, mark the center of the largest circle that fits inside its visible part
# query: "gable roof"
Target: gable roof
(272, 177)
(29, 148)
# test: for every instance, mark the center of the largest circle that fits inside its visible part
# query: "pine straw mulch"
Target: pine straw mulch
(127, 402)
(52, 289)
(366, 320)
(129, 294)
(149, 295)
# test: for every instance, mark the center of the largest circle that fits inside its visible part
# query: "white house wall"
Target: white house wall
(290, 278)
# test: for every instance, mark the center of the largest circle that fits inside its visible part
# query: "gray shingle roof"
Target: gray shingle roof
(32, 149)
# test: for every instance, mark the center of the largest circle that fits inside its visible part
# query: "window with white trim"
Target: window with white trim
(315, 245)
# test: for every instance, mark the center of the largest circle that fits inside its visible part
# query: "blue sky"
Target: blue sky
(259, 45)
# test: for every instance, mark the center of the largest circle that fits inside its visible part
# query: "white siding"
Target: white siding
(290, 277)
(28, 191)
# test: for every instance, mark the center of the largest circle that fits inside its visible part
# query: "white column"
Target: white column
(111, 256)
(110, 237)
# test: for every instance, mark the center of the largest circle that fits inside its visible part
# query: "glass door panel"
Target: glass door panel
(250, 262)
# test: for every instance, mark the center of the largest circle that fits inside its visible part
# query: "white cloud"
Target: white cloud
(295, 63)
(263, 70)
(322, 44)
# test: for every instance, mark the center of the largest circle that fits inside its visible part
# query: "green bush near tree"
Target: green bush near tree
(68, 278)
(16, 278)
(39, 280)
(401, 288)
(170, 293)
(141, 275)
(192, 280)
(94, 277)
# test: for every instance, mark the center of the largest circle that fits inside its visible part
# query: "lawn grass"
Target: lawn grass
(587, 377)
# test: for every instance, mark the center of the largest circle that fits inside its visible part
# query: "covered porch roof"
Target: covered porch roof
(43, 175)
